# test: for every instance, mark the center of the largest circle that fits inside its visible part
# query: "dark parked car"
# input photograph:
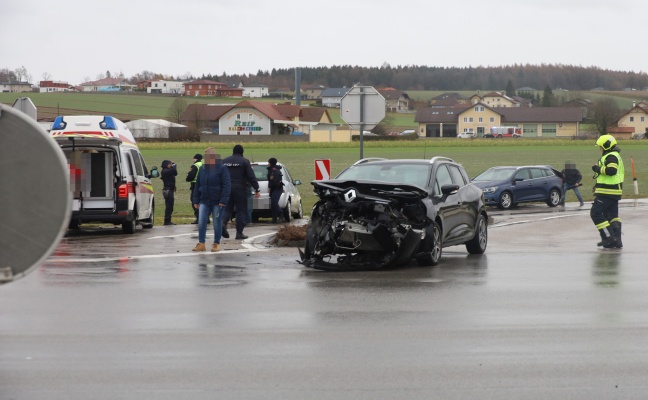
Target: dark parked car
(381, 213)
(506, 187)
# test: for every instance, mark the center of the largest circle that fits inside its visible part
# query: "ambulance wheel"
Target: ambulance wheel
(128, 227)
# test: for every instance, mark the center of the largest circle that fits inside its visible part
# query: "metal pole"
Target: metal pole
(362, 94)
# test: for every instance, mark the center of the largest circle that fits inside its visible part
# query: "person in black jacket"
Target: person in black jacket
(571, 181)
(275, 186)
(169, 173)
(241, 174)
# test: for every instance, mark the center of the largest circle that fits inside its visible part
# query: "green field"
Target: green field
(475, 155)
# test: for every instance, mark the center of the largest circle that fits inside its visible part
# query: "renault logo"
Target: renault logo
(350, 195)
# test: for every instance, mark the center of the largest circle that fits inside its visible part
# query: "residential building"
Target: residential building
(255, 91)
(636, 118)
(479, 118)
(395, 100)
(165, 87)
(205, 87)
(332, 97)
(312, 92)
(107, 85)
(54, 86)
(256, 118)
(448, 99)
(495, 99)
(15, 87)
(586, 106)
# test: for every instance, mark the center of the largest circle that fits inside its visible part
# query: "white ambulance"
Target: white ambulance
(109, 179)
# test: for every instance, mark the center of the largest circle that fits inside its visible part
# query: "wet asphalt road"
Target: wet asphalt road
(543, 314)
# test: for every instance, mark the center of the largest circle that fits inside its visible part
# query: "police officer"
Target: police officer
(609, 173)
(169, 173)
(192, 175)
(241, 174)
(275, 186)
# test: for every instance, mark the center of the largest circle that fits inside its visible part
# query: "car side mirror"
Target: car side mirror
(296, 182)
(518, 180)
(449, 189)
(154, 173)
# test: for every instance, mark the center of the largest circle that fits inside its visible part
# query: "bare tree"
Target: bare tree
(7, 76)
(176, 109)
(22, 75)
(606, 112)
(46, 76)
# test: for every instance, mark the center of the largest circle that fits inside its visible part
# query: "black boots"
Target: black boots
(611, 236)
(224, 233)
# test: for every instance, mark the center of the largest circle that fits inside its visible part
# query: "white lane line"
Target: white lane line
(496, 225)
(247, 244)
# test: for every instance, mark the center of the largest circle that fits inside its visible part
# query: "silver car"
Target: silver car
(290, 201)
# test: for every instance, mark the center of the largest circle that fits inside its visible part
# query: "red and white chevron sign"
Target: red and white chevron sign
(322, 170)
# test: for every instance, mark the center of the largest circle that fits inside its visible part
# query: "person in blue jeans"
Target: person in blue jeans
(211, 194)
(571, 181)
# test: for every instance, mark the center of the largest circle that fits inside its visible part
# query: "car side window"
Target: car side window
(286, 174)
(537, 173)
(137, 162)
(522, 174)
(442, 178)
(146, 172)
(457, 177)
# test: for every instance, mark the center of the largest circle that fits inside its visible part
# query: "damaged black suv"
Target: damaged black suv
(381, 213)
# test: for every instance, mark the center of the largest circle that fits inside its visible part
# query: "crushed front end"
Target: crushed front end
(364, 225)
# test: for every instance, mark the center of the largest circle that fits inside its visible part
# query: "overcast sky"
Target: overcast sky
(75, 40)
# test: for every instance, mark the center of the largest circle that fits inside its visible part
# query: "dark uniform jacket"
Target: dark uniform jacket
(241, 172)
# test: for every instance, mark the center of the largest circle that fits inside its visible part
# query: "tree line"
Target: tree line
(408, 77)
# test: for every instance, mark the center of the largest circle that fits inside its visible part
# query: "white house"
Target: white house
(15, 87)
(332, 97)
(160, 86)
(255, 91)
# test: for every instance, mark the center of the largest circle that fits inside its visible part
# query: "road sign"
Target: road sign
(322, 170)
(25, 105)
(362, 107)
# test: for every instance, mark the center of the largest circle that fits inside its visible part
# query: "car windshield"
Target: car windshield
(495, 174)
(411, 174)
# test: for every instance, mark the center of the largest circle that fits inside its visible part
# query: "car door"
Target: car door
(542, 183)
(522, 186)
(291, 190)
(468, 201)
(143, 188)
(448, 207)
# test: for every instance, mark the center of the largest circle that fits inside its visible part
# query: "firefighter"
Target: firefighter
(609, 173)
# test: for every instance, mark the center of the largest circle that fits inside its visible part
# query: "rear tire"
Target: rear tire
(477, 245)
(554, 198)
(128, 227)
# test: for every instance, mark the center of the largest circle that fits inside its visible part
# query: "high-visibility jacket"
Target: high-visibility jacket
(197, 164)
(611, 185)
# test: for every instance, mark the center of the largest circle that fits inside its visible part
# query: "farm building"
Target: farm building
(157, 129)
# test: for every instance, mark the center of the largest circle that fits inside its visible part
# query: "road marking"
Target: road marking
(247, 244)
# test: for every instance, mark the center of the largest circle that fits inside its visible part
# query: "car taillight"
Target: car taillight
(124, 189)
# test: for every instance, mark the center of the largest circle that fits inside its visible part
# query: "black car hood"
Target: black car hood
(376, 190)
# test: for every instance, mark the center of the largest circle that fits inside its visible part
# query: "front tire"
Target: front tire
(300, 212)
(477, 245)
(432, 258)
(505, 201)
(286, 212)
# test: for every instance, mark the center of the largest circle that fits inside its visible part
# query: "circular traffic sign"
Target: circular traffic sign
(35, 195)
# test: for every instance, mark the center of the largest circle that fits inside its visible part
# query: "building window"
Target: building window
(491, 119)
(479, 108)
(643, 119)
(481, 120)
(631, 119)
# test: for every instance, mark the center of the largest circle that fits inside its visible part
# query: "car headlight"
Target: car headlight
(492, 189)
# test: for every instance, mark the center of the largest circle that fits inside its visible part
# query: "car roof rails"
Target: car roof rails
(433, 159)
(366, 160)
